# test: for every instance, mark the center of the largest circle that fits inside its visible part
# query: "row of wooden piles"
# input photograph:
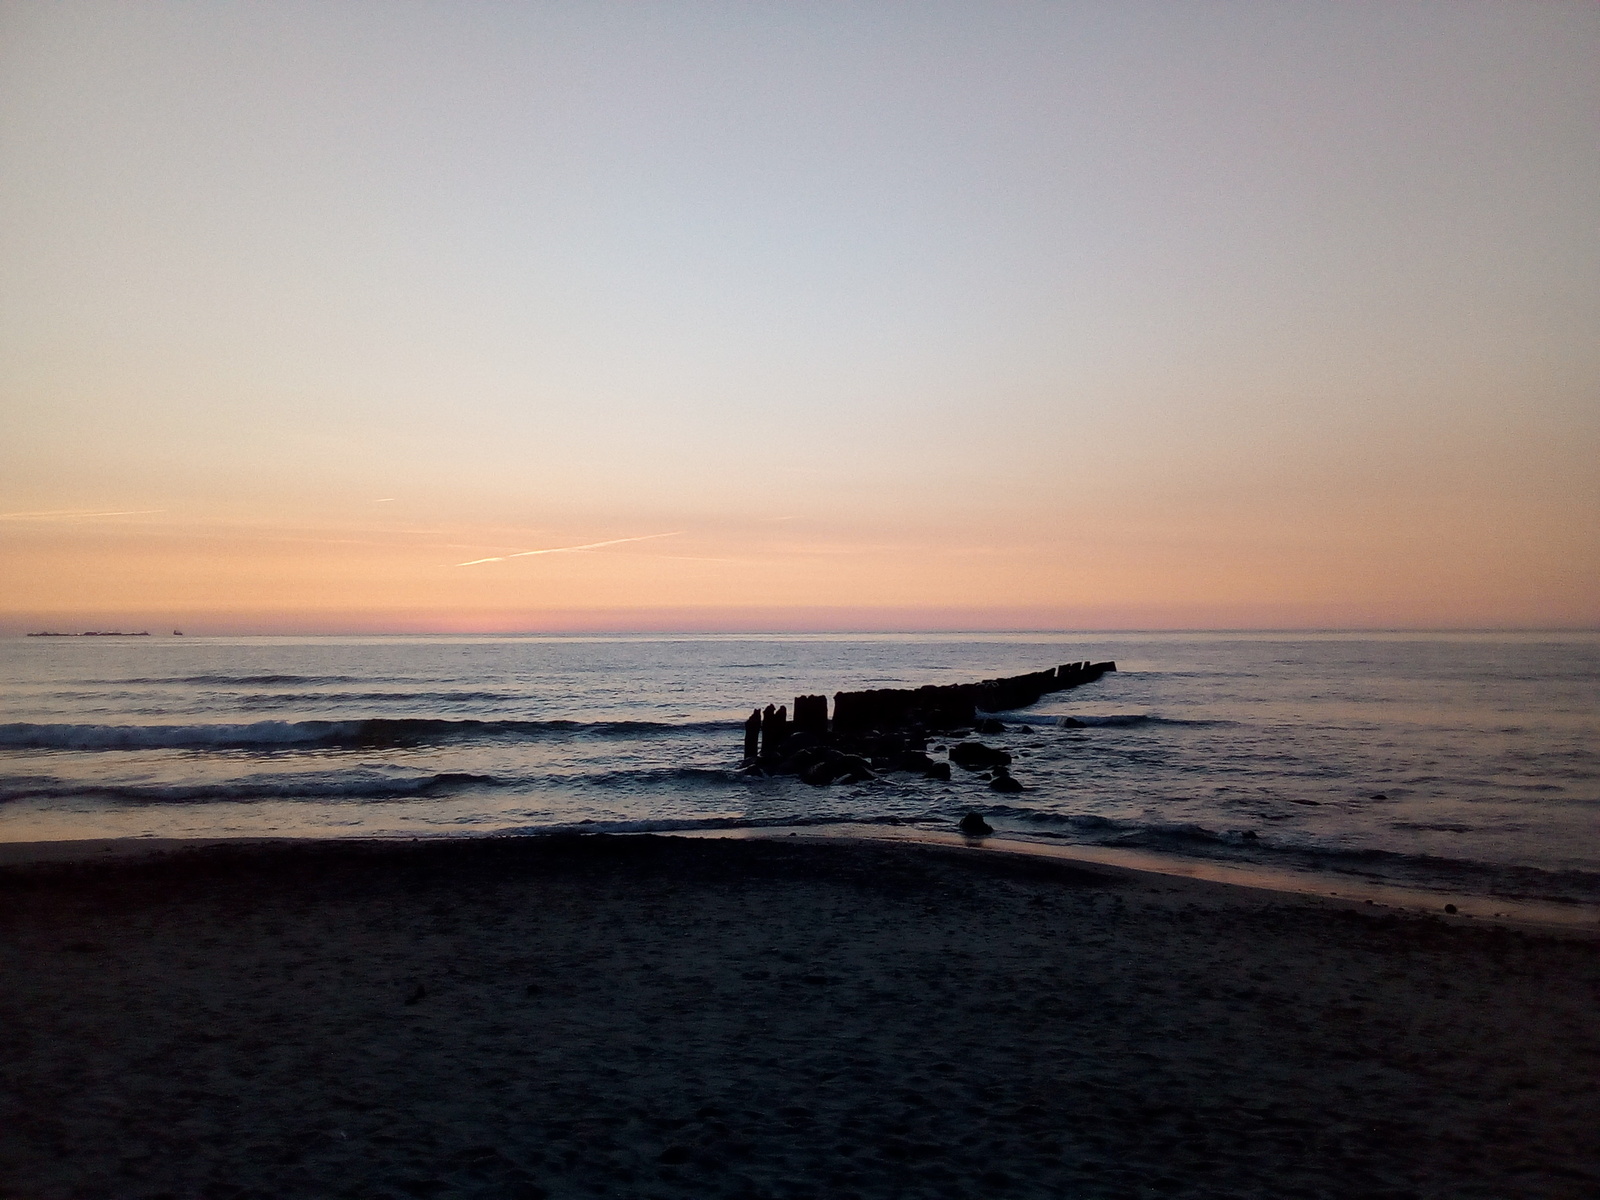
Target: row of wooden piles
(933, 708)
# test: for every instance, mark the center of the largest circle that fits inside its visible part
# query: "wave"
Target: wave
(695, 824)
(292, 735)
(1508, 880)
(220, 680)
(271, 699)
(288, 787)
(364, 784)
(652, 776)
(1121, 720)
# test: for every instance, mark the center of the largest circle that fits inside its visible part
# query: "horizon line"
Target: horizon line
(842, 631)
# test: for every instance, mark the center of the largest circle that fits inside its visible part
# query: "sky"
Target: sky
(496, 317)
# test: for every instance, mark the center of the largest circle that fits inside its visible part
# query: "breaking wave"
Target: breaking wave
(224, 680)
(1508, 880)
(285, 787)
(289, 735)
(1121, 720)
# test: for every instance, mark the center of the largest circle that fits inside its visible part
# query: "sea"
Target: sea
(1362, 764)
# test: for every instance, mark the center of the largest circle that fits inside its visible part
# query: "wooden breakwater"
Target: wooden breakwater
(932, 708)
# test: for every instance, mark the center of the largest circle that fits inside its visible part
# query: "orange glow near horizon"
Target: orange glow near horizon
(791, 575)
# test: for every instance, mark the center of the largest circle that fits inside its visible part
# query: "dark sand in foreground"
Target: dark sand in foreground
(684, 1017)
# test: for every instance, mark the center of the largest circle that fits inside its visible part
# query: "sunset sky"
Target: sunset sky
(321, 317)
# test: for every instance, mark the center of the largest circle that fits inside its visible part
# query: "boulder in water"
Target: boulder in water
(975, 756)
(820, 774)
(837, 768)
(973, 825)
(904, 760)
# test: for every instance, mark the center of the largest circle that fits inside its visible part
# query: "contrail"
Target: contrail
(563, 549)
(74, 512)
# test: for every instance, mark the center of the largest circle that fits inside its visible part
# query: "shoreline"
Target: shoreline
(1470, 908)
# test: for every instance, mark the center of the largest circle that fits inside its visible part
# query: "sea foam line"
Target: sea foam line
(274, 735)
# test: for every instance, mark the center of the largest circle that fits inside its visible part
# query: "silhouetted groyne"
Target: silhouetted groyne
(888, 728)
(945, 707)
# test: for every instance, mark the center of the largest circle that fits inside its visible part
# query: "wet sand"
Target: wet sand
(699, 1018)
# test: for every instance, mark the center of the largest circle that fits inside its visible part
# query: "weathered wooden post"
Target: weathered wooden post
(811, 714)
(774, 728)
(752, 736)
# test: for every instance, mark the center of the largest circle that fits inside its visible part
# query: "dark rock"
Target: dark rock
(990, 725)
(802, 760)
(909, 760)
(1451, 909)
(974, 825)
(1002, 782)
(819, 774)
(1070, 723)
(799, 741)
(975, 756)
(1379, 796)
(837, 768)
(1249, 835)
(856, 769)
(940, 771)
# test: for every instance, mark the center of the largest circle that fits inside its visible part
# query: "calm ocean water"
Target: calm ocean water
(1468, 763)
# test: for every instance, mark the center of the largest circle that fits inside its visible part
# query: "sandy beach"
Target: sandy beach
(654, 1016)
